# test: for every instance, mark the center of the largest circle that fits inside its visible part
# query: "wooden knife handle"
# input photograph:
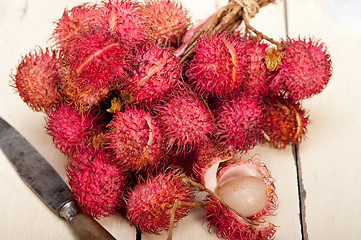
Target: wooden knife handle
(87, 228)
(83, 225)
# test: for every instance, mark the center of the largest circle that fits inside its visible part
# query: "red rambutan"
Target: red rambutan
(305, 69)
(37, 79)
(168, 21)
(135, 138)
(71, 129)
(225, 63)
(239, 122)
(97, 185)
(285, 121)
(216, 66)
(150, 203)
(185, 119)
(157, 73)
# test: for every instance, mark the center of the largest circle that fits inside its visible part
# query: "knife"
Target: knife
(42, 178)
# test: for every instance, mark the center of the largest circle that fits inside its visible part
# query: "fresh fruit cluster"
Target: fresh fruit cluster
(144, 131)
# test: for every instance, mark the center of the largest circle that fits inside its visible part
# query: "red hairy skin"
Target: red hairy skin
(305, 69)
(225, 63)
(208, 154)
(136, 139)
(239, 122)
(97, 185)
(215, 67)
(168, 21)
(229, 226)
(285, 121)
(37, 79)
(157, 73)
(150, 203)
(185, 119)
(70, 129)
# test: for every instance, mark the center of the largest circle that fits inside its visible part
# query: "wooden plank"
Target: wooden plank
(26, 24)
(330, 155)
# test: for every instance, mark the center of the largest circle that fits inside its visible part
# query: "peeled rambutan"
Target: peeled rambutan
(305, 69)
(285, 121)
(96, 184)
(248, 190)
(239, 122)
(157, 73)
(70, 129)
(185, 119)
(136, 139)
(37, 79)
(150, 203)
(168, 21)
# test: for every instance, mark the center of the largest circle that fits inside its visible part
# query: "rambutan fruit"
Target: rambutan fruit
(124, 19)
(168, 21)
(305, 69)
(225, 63)
(135, 138)
(185, 119)
(239, 122)
(70, 129)
(96, 184)
(75, 24)
(37, 79)
(158, 71)
(248, 192)
(285, 121)
(150, 203)
(215, 67)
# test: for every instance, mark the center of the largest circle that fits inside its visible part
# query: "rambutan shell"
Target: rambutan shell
(185, 119)
(285, 121)
(158, 72)
(37, 79)
(150, 203)
(136, 139)
(168, 21)
(71, 129)
(239, 122)
(305, 69)
(96, 183)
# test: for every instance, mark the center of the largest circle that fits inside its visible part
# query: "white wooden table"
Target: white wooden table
(325, 182)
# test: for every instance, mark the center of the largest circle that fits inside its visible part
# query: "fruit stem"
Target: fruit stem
(177, 203)
(280, 46)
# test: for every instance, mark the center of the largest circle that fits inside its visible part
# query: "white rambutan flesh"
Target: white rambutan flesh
(247, 195)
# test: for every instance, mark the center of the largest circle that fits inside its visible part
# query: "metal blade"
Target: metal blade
(33, 168)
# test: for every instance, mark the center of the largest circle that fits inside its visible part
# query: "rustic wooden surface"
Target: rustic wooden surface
(329, 159)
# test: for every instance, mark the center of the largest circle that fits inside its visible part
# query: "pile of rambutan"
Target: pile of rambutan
(145, 128)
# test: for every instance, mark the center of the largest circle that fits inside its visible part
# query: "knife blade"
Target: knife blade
(42, 178)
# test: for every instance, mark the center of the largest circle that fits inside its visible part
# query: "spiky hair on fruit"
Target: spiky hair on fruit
(237, 182)
(239, 122)
(305, 69)
(285, 121)
(70, 129)
(135, 138)
(96, 183)
(185, 119)
(157, 72)
(216, 67)
(37, 79)
(168, 21)
(150, 203)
